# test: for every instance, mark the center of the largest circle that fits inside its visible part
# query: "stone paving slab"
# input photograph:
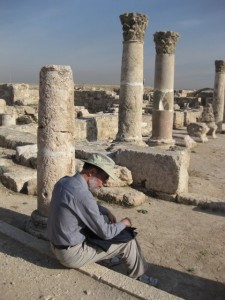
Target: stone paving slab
(203, 201)
(10, 138)
(15, 177)
(112, 278)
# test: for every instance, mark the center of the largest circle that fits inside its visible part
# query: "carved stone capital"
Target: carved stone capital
(220, 66)
(134, 26)
(165, 41)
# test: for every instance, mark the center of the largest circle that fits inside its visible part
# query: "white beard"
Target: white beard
(93, 184)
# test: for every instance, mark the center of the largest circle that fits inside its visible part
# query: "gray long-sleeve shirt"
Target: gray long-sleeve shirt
(72, 209)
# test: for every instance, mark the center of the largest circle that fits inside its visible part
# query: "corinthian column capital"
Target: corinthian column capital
(134, 26)
(220, 66)
(165, 41)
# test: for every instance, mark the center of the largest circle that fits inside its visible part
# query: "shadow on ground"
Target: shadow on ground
(184, 285)
(212, 211)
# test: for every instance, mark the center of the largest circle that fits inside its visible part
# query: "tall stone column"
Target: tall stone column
(218, 96)
(56, 148)
(131, 83)
(163, 101)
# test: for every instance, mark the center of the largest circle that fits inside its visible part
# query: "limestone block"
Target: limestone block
(124, 177)
(10, 137)
(178, 119)
(212, 129)
(8, 119)
(27, 155)
(29, 110)
(78, 165)
(31, 187)
(16, 178)
(192, 116)
(156, 170)
(81, 111)
(207, 114)
(85, 129)
(185, 141)
(121, 195)
(203, 201)
(94, 128)
(107, 126)
(10, 110)
(198, 130)
(2, 106)
(147, 119)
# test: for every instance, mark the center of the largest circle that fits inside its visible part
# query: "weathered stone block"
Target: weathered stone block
(178, 119)
(27, 155)
(15, 179)
(10, 137)
(198, 130)
(212, 129)
(31, 187)
(121, 195)
(191, 116)
(157, 170)
(2, 106)
(124, 177)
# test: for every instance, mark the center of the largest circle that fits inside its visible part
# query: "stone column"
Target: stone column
(56, 148)
(163, 101)
(131, 83)
(218, 96)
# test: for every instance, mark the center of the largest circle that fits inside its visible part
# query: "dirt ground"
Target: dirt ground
(184, 245)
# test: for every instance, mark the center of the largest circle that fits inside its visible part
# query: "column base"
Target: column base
(37, 225)
(161, 142)
(131, 140)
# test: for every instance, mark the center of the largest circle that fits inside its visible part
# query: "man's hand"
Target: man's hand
(112, 218)
(127, 222)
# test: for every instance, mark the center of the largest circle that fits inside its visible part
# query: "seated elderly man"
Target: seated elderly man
(74, 214)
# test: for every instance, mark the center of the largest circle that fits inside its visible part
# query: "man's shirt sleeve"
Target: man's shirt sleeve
(88, 212)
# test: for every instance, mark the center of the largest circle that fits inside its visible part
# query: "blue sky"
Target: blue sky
(87, 35)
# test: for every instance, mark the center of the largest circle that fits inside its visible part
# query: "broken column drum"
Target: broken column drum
(56, 149)
(131, 83)
(163, 99)
(218, 95)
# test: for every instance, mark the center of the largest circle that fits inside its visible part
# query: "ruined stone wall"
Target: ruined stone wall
(93, 127)
(19, 93)
(95, 101)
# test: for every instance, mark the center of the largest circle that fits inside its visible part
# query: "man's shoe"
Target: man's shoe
(149, 280)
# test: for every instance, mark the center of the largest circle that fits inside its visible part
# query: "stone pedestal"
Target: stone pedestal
(163, 101)
(218, 96)
(56, 147)
(131, 84)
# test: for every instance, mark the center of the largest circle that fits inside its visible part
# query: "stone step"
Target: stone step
(17, 178)
(13, 136)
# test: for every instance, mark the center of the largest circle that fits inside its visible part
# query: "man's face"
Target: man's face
(98, 180)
